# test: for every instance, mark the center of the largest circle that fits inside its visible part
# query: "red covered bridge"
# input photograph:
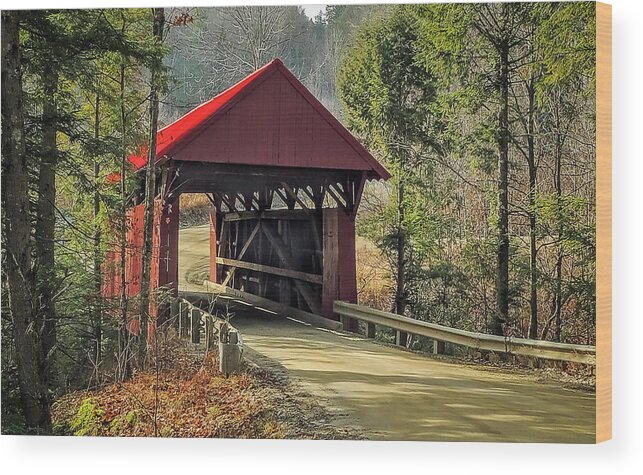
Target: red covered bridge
(285, 180)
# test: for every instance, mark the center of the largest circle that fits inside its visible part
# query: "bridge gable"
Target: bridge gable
(269, 119)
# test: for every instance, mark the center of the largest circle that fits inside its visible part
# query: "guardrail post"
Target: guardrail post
(370, 330)
(196, 325)
(401, 338)
(438, 347)
(229, 353)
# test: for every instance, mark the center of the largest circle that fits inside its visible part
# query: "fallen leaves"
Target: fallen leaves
(189, 398)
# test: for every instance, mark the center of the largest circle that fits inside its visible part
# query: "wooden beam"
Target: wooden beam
(289, 202)
(250, 201)
(308, 193)
(245, 247)
(225, 171)
(292, 274)
(270, 197)
(317, 202)
(242, 252)
(242, 200)
(358, 195)
(279, 308)
(222, 238)
(305, 291)
(339, 202)
(280, 214)
(262, 199)
(319, 196)
(224, 199)
(232, 198)
(317, 240)
(294, 195)
(339, 188)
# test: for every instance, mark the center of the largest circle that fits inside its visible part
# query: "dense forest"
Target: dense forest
(483, 113)
(488, 126)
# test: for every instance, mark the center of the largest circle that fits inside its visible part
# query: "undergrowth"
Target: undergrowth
(192, 399)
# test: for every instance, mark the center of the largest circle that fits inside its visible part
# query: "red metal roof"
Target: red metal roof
(264, 120)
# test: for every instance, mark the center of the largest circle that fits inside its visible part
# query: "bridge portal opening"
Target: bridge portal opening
(290, 243)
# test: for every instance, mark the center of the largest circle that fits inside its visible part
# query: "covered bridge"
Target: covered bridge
(285, 180)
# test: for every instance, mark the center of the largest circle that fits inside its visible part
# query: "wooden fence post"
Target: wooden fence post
(174, 314)
(370, 330)
(196, 325)
(184, 317)
(208, 332)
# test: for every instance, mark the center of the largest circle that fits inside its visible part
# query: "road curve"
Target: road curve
(399, 395)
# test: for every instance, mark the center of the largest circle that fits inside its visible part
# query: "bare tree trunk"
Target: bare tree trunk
(97, 310)
(400, 284)
(557, 298)
(32, 377)
(124, 368)
(150, 185)
(558, 278)
(533, 250)
(502, 272)
(45, 214)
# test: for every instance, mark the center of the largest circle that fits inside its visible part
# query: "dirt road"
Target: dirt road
(398, 395)
(194, 257)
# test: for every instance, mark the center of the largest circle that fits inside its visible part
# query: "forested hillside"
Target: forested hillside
(485, 114)
(220, 46)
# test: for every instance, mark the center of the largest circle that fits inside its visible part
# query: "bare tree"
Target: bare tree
(150, 185)
(500, 25)
(227, 44)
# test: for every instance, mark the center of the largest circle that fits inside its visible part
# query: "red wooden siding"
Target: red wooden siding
(165, 250)
(268, 119)
(133, 249)
(273, 125)
(340, 280)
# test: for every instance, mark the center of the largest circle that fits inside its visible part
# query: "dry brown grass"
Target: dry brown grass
(195, 209)
(194, 200)
(375, 284)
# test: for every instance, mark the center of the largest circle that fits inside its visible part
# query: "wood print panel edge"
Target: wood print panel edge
(603, 222)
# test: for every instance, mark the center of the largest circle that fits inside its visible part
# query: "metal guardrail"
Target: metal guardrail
(479, 341)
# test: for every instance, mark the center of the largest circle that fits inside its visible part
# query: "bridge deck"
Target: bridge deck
(395, 394)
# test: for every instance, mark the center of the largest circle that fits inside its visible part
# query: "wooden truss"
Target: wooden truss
(276, 232)
(265, 252)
